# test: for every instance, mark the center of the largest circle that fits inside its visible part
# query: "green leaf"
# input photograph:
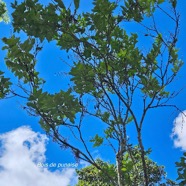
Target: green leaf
(76, 3)
(129, 119)
(97, 141)
(174, 3)
(60, 3)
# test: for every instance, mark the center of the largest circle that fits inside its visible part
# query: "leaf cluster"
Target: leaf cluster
(4, 85)
(181, 165)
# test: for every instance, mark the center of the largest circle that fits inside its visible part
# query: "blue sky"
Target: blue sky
(16, 124)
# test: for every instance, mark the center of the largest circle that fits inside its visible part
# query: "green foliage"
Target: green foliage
(137, 10)
(97, 140)
(132, 170)
(21, 60)
(3, 12)
(4, 82)
(182, 170)
(91, 176)
(109, 69)
(54, 108)
(76, 3)
(60, 4)
(83, 78)
(4, 85)
(44, 19)
(174, 3)
(177, 64)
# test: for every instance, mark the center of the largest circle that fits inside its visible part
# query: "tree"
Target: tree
(132, 171)
(110, 68)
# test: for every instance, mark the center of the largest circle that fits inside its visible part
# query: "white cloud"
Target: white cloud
(179, 131)
(21, 150)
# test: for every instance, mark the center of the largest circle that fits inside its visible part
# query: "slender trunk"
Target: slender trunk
(119, 159)
(145, 171)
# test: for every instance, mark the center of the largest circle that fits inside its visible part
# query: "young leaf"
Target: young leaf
(97, 140)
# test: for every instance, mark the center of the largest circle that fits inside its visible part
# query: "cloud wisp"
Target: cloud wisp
(179, 131)
(21, 150)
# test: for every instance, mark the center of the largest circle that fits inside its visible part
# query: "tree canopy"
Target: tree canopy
(110, 71)
(132, 170)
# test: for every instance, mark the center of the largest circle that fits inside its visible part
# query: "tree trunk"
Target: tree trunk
(145, 171)
(119, 159)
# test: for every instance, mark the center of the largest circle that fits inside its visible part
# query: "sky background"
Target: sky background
(24, 144)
